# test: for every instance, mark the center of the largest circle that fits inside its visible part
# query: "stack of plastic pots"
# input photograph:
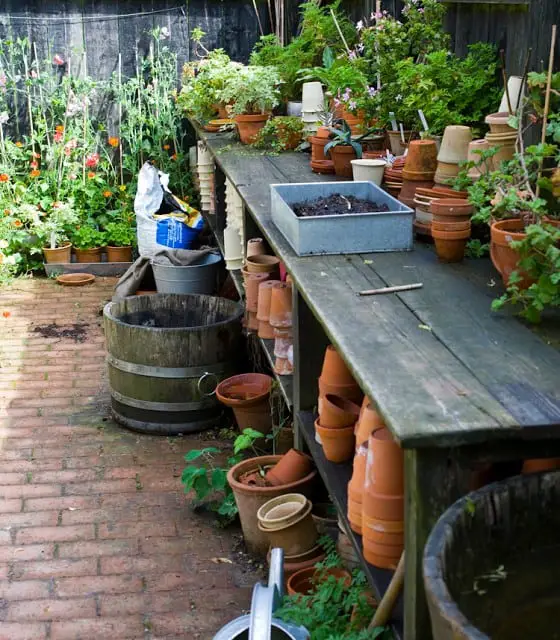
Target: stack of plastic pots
(313, 101)
(454, 150)
(501, 136)
(383, 501)
(193, 163)
(233, 249)
(205, 169)
(234, 208)
(280, 319)
(419, 169)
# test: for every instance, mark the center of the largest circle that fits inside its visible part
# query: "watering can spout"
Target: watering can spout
(276, 573)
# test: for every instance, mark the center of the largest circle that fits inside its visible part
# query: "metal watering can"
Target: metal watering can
(260, 623)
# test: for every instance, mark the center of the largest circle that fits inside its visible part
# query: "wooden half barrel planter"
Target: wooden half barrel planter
(492, 563)
(166, 355)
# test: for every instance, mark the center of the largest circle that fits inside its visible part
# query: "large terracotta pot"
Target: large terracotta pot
(119, 254)
(421, 157)
(504, 258)
(89, 255)
(59, 255)
(342, 156)
(249, 126)
(318, 148)
(248, 395)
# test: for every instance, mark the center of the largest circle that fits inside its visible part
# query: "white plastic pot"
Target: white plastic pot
(233, 250)
(368, 170)
(312, 97)
(514, 88)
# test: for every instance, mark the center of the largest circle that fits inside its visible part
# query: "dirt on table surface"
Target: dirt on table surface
(335, 205)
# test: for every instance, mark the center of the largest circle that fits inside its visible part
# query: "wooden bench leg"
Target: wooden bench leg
(434, 480)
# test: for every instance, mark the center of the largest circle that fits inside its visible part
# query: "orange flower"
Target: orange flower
(18, 223)
(166, 147)
(114, 142)
(107, 194)
(35, 173)
(6, 314)
(59, 128)
(19, 144)
(174, 156)
(91, 174)
(4, 177)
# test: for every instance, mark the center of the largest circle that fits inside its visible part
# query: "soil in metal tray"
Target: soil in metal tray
(336, 205)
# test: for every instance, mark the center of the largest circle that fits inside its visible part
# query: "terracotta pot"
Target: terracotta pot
(349, 391)
(451, 209)
(396, 143)
(446, 173)
(356, 121)
(281, 306)
(248, 395)
(252, 322)
(290, 139)
(473, 156)
(342, 156)
(304, 581)
(249, 126)
(421, 157)
(291, 467)
(222, 111)
(265, 294)
(382, 507)
(455, 144)
(450, 245)
(461, 225)
(255, 247)
(323, 132)
(386, 467)
(356, 488)
(265, 330)
(282, 510)
(334, 369)
(381, 555)
(338, 444)
(60, 255)
(322, 166)
(450, 193)
(88, 255)
(381, 532)
(337, 412)
(498, 122)
(318, 145)
(300, 561)
(119, 254)
(297, 536)
(249, 498)
(418, 176)
(262, 264)
(504, 258)
(536, 465)
(369, 421)
(252, 282)
(283, 340)
(505, 144)
(408, 190)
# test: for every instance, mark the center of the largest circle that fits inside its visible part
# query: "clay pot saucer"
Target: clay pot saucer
(322, 166)
(75, 279)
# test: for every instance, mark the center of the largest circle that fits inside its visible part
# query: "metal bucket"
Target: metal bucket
(195, 278)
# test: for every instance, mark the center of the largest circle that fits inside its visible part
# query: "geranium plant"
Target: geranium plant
(280, 133)
(120, 234)
(252, 90)
(85, 237)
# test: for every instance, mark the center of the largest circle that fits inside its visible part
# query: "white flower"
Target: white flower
(360, 25)
(398, 98)
(4, 244)
(164, 33)
(4, 117)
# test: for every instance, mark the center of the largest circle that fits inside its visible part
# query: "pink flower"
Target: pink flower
(92, 160)
(352, 55)
(58, 136)
(34, 74)
(72, 176)
(70, 146)
(58, 60)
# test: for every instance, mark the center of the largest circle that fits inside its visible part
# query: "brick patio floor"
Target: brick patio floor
(96, 537)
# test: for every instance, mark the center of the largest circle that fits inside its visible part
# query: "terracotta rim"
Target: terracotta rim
(75, 279)
(246, 466)
(503, 232)
(237, 381)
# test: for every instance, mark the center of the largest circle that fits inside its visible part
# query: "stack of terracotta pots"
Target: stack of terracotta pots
(383, 501)
(393, 177)
(454, 151)
(422, 201)
(258, 268)
(501, 136)
(419, 169)
(319, 161)
(475, 148)
(266, 288)
(248, 394)
(280, 319)
(451, 227)
(368, 422)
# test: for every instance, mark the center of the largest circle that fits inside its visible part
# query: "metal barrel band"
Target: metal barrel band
(150, 371)
(149, 405)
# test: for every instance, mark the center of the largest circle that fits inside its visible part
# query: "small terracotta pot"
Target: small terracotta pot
(338, 444)
(349, 391)
(380, 555)
(262, 264)
(381, 532)
(337, 412)
(505, 144)
(89, 255)
(252, 282)
(290, 139)
(291, 467)
(304, 581)
(382, 507)
(297, 536)
(323, 132)
(356, 488)
(342, 156)
(281, 306)
(255, 247)
(450, 245)
(60, 255)
(318, 145)
(446, 173)
(334, 369)
(504, 258)
(119, 254)
(450, 193)
(536, 465)
(265, 330)
(421, 157)
(369, 421)
(356, 121)
(498, 122)
(453, 208)
(248, 395)
(462, 225)
(386, 468)
(474, 147)
(265, 294)
(249, 126)
(408, 190)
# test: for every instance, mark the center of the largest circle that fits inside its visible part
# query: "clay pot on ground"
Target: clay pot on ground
(89, 255)
(262, 264)
(338, 444)
(296, 535)
(356, 488)
(536, 465)
(504, 258)
(342, 156)
(337, 412)
(421, 157)
(297, 562)
(119, 254)
(252, 282)
(323, 167)
(396, 144)
(249, 125)
(451, 209)
(60, 255)
(475, 147)
(455, 144)
(248, 395)
(450, 245)
(318, 145)
(498, 122)
(505, 144)
(249, 498)
(369, 421)
(280, 316)
(305, 581)
(368, 170)
(255, 247)
(291, 467)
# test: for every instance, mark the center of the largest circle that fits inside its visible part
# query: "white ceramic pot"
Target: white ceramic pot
(192, 157)
(514, 89)
(312, 97)
(369, 170)
(204, 156)
(294, 108)
(455, 144)
(233, 249)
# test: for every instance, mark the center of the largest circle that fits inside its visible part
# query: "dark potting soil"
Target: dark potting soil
(75, 332)
(336, 205)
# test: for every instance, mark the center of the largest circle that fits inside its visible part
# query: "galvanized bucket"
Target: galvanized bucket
(195, 278)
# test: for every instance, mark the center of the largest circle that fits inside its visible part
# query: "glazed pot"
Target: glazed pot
(304, 581)
(318, 145)
(498, 122)
(356, 488)
(255, 247)
(337, 412)
(421, 157)
(291, 467)
(368, 170)
(89, 255)
(282, 510)
(59, 255)
(369, 421)
(280, 316)
(252, 282)
(504, 258)
(249, 498)
(249, 126)
(450, 245)
(395, 141)
(386, 474)
(248, 395)
(342, 156)
(262, 264)
(338, 444)
(455, 144)
(119, 254)
(297, 535)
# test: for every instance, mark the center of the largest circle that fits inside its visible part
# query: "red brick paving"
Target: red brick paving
(96, 537)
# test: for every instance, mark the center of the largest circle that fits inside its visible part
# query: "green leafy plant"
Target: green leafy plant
(252, 90)
(477, 249)
(343, 136)
(278, 133)
(85, 237)
(120, 234)
(208, 478)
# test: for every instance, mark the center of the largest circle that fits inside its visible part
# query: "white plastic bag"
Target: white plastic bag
(149, 197)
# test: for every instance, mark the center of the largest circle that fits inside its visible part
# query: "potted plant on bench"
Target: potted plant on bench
(53, 231)
(120, 238)
(88, 243)
(344, 148)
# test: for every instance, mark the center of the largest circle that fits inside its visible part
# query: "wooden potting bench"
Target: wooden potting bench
(458, 385)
